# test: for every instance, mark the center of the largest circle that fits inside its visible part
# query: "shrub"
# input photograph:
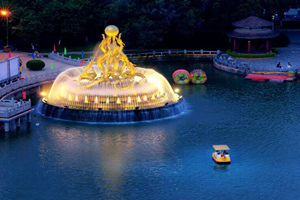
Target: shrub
(281, 41)
(236, 55)
(35, 64)
(274, 50)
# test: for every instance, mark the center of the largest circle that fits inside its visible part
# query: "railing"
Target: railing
(13, 107)
(36, 80)
(155, 53)
(225, 62)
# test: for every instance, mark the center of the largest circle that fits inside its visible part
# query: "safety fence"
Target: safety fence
(147, 54)
(34, 81)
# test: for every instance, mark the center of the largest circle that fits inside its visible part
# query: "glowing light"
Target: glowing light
(70, 97)
(153, 97)
(110, 79)
(4, 12)
(139, 99)
(43, 94)
(129, 100)
(176, 90)
(145, 98)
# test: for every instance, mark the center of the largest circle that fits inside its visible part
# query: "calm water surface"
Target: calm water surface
(170, 158)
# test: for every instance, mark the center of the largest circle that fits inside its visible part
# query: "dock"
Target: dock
(271, 78)
(13, 110)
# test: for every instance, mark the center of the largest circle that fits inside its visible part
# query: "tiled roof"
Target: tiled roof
(243, 33)
(252, 22)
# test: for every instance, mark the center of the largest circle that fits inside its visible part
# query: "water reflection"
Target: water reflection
(221, 168)
(113, 151)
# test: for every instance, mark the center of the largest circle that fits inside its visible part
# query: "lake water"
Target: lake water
(169, 158)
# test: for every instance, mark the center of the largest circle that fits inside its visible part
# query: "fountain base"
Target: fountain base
(105, 116)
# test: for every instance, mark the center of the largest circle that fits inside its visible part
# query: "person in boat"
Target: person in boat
(217, 154)
(224, 153)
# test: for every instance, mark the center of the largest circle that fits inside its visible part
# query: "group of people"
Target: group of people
(224, 154)
(289, 66)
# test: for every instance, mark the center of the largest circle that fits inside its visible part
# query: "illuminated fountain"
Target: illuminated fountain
(111, 89)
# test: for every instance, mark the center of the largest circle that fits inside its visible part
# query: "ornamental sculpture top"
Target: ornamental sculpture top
(115, 68)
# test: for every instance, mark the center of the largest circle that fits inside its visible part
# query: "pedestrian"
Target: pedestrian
(289, 66)
(278, 65)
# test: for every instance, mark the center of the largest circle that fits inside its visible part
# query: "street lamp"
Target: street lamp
(6, 13)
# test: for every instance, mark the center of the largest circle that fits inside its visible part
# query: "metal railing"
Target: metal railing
(154, 53)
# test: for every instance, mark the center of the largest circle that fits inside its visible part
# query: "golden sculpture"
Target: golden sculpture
(113, 63)
(110, 82)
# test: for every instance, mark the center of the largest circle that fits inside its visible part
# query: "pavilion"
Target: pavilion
(252, 35)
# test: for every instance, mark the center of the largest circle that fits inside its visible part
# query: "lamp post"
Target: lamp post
(6, 13)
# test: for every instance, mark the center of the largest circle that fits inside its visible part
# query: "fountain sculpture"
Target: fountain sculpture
(111, 89)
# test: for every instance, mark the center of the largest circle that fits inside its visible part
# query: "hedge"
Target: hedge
(35, 64)
(267, 55)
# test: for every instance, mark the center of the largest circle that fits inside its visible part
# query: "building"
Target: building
(252, 35)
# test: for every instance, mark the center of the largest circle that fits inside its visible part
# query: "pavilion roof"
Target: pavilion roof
(242, 33)
(252, 22)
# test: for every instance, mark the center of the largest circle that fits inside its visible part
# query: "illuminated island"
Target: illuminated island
(111, 89)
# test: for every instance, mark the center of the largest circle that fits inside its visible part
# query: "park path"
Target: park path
(25, 57)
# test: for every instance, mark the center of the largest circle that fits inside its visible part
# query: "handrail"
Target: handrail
(13, 107)
(68, 60)
(14, 86)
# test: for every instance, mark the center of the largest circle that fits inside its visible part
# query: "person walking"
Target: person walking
(278, 65)
(289, 66)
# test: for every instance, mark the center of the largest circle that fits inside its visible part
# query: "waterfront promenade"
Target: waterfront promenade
(291, 54)
(286, 54)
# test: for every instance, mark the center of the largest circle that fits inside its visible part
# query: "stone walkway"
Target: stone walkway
(57, 66)
(287, 54)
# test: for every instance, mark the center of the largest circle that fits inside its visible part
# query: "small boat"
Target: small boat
(221, 156)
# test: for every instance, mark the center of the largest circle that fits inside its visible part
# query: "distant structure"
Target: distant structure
(292, 14)
(291, 19)
(252, 35)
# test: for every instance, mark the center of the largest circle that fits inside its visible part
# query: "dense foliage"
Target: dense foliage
(157, 23)
(35, 64)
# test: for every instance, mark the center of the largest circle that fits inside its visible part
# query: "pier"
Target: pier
(13, 110)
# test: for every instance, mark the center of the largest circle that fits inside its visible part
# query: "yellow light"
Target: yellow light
(176, 90)
(43, 94)
(3, 12)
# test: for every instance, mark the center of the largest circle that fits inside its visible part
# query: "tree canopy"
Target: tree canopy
(145, 23)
